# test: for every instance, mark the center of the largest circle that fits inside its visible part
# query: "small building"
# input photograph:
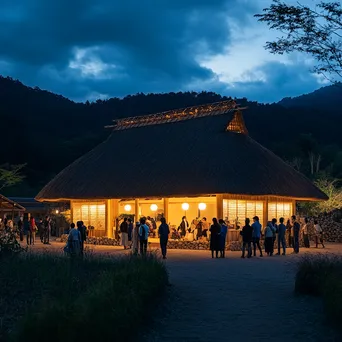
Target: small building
(198, 161)
(10, 208)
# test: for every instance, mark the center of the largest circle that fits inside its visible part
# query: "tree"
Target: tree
(316, 31)
(11, 175)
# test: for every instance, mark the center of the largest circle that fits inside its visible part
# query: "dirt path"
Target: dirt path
(237, 299)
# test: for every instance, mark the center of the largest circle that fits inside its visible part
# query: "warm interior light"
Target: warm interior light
(185, 206)
(202, 206)
(128, 207)
(154, 207)
(57, 211)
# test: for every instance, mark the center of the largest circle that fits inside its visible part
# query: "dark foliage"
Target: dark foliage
(48, 131)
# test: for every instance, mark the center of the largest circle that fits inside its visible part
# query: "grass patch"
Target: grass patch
(321, 275)
(49, 297)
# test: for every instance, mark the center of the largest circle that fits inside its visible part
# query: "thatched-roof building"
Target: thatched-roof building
(199, 161)
(8, 206)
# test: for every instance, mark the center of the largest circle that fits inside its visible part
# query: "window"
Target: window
(240, 210)
(279, 209)
(92, 214)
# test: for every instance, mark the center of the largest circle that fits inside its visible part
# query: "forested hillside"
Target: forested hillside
(48, 131)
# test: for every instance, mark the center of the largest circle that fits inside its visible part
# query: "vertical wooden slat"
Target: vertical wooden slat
(136, 209)
(166, 209)
(265, 215)
(219, 206)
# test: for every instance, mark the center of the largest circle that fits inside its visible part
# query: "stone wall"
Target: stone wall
(331, 224)
(172, 244)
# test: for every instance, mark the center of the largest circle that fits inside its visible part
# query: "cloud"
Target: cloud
(88, 48)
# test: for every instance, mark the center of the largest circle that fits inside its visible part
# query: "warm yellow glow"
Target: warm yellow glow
(154, 207)
(128, 207)
(57, 211)
(202, 206)
(185, 206)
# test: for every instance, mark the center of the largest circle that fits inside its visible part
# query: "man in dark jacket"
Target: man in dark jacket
(83, 232)
(247, 232)
(281, 236)
(296, 230)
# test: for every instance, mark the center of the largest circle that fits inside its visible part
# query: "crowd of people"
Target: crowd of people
(27, 227)
(282, 235)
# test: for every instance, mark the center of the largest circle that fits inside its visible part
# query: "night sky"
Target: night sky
(88, 49)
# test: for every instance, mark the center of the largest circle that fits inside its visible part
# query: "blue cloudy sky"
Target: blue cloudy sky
(89, 49)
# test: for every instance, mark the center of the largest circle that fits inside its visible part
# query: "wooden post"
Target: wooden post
(109, 218)
(136, 210)
(265, 213)
(219, 206)
(293, 208)
(71, 212)
(115, 214)
(166, 209)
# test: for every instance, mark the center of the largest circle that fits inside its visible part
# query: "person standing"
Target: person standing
(215, 231)
(27, 230)
(33, 229)
(305, 230)
(269, 238)
(74, 240)
(83, 234)
(289, 232)
(256, 235)
(20, 229)
(143, 236)
(247, 232)
(130, 231)
(318, 234)
(275, 232)
(163, 233)
(124, 233)
(47, 227)
(183, 227)
(135, 238)
(223, 236)
(296, 230)
(281, 236)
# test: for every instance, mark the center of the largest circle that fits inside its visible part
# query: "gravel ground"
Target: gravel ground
(236, 299)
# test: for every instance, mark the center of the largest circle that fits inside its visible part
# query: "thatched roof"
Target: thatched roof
(194, 156)
(8, 205)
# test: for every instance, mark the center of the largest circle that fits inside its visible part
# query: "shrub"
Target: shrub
(104, 304)
(321, 275)
(9, 244)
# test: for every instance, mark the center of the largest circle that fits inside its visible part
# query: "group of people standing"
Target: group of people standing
(29, 226)
(76, 238)
(251, 234)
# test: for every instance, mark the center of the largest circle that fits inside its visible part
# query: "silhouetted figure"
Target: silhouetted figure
(318, 234)
(296, 230)
(143, 236)
(256, 235)
(305, 230)
(215, 231)
(281, 236)
(163, 233)
(247, 236)
(223, 237)
(269, 238)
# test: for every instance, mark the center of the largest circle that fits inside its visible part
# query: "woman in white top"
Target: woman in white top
(318, 234)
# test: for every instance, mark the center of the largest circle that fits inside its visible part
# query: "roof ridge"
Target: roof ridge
(210, 109)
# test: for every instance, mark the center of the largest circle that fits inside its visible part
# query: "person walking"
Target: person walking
(305, 230)
(318, 234)
(223, 237)
(143, 236)
(256, 235)
(124, 233)
(269, 238)
(247, 233)
(296, 230)
(163, 233)
(215, 231)
(281, 236)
